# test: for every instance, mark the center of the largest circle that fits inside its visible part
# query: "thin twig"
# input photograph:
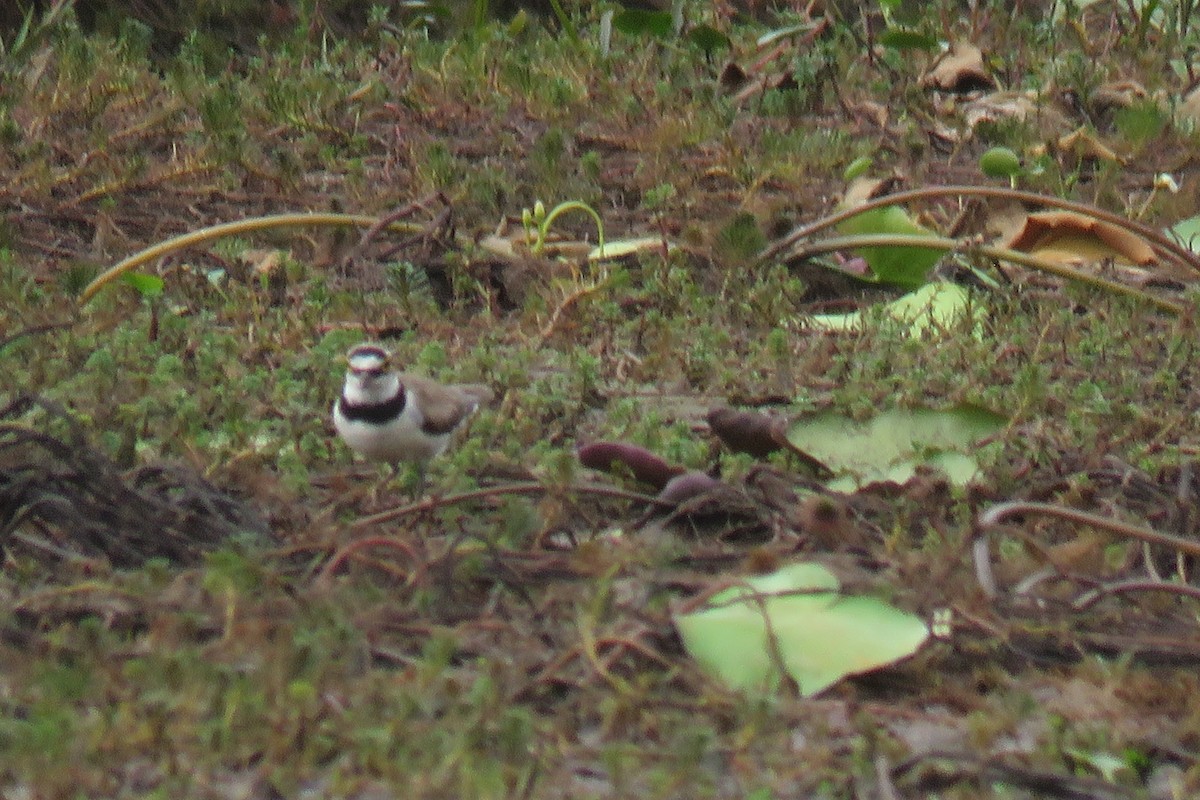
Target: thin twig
(530, 487)
(996, 514)
(344, 554)
(1090, 598)
(35, 330)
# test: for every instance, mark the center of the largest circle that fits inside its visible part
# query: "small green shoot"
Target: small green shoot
(537, 222)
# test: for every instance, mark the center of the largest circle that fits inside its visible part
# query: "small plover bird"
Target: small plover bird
(395, 416)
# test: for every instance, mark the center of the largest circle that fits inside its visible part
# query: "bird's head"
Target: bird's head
(367, 365)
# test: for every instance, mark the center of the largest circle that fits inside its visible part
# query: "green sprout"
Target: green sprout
(537, 222)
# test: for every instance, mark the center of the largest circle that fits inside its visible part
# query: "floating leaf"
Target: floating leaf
(935, 305)
(901, 266)
(794, 621)
(891, 445)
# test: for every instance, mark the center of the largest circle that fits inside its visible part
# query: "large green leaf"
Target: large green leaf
(794, 621)
(901, 266)
(891, 445)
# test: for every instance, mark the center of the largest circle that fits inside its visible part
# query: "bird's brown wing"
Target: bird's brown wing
(445, 407)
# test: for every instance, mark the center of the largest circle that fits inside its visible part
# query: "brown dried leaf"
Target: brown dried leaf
(1065, 237)
(1084, 144)
(1117, 94)
(688, 486)
(998, 106)
(826, 520)
(959, 69)
(732, 77)
(262, 261)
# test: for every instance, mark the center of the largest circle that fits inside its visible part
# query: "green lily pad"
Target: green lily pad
(794, 621)
(935, 305)
(891, 445)
(900, 266)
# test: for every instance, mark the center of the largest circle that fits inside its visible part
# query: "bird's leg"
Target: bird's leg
(419, 488)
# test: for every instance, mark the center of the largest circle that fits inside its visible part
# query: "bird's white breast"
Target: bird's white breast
(399, 439)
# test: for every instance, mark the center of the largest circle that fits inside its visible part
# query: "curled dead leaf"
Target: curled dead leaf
(645, 466)
(700, 499)
(959, 69)
(1116, 94)
(732, 77)
(1083, 144)
(1065, 237)
(998, 106)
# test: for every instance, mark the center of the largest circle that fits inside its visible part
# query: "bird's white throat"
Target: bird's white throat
(371, 389)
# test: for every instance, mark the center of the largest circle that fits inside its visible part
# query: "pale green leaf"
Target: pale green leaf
(891, 445)
(936, 306)
(795, 621)
(1187, 233)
